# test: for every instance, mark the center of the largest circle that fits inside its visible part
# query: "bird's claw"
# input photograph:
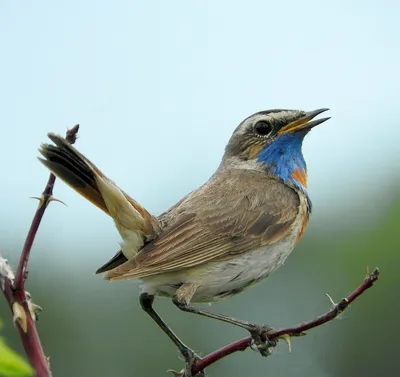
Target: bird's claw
(190, 358)
(260, 339)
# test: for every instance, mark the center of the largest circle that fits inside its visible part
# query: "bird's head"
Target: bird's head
(272, 140)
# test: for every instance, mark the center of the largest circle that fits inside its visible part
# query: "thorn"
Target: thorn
(54, 199)
(19, 316)
(339, 306)
(286, 338)
(33, 308)
(177, 374)
(330, 299)
(40, 198)
(43, 201)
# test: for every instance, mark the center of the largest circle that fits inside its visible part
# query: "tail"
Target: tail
(74, 169)
(133, 222)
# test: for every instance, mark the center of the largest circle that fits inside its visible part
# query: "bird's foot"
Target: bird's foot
(259, 333)
(190, 358)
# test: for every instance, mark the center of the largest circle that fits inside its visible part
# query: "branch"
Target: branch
(285, 333)
(13, 287)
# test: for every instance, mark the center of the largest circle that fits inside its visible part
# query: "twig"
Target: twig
(297, 330)
(24, 311)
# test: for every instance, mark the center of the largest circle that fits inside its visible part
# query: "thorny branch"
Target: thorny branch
(13, 287)
(286, 333)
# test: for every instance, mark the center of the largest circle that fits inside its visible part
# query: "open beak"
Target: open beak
(304, 123)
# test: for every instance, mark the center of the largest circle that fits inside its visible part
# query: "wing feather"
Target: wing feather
(233, 213)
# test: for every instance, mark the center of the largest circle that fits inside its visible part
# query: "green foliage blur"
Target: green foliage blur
(12, 364)
(90, 327)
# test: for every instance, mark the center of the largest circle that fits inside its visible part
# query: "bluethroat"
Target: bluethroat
(223, 237)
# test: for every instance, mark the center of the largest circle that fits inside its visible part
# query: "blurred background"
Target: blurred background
(158, 87)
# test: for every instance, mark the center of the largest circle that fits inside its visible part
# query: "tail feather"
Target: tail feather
(118, 259)
(133, 222)
(74, 169)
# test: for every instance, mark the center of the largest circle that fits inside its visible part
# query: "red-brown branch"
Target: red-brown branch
(297, 330)
(14, 288)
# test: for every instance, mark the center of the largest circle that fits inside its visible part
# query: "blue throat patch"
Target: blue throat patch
(284, 157)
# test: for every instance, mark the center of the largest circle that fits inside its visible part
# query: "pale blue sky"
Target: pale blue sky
(158, 87)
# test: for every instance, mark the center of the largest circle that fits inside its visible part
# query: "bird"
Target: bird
(223, 237)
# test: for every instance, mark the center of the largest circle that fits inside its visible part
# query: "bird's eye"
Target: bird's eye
(262, 128)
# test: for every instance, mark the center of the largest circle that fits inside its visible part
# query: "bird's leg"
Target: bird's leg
(258, 332)
(146, 301)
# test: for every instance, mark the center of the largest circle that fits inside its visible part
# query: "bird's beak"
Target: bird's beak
(304, 122)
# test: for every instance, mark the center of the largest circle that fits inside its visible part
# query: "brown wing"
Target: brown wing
(234, 212)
